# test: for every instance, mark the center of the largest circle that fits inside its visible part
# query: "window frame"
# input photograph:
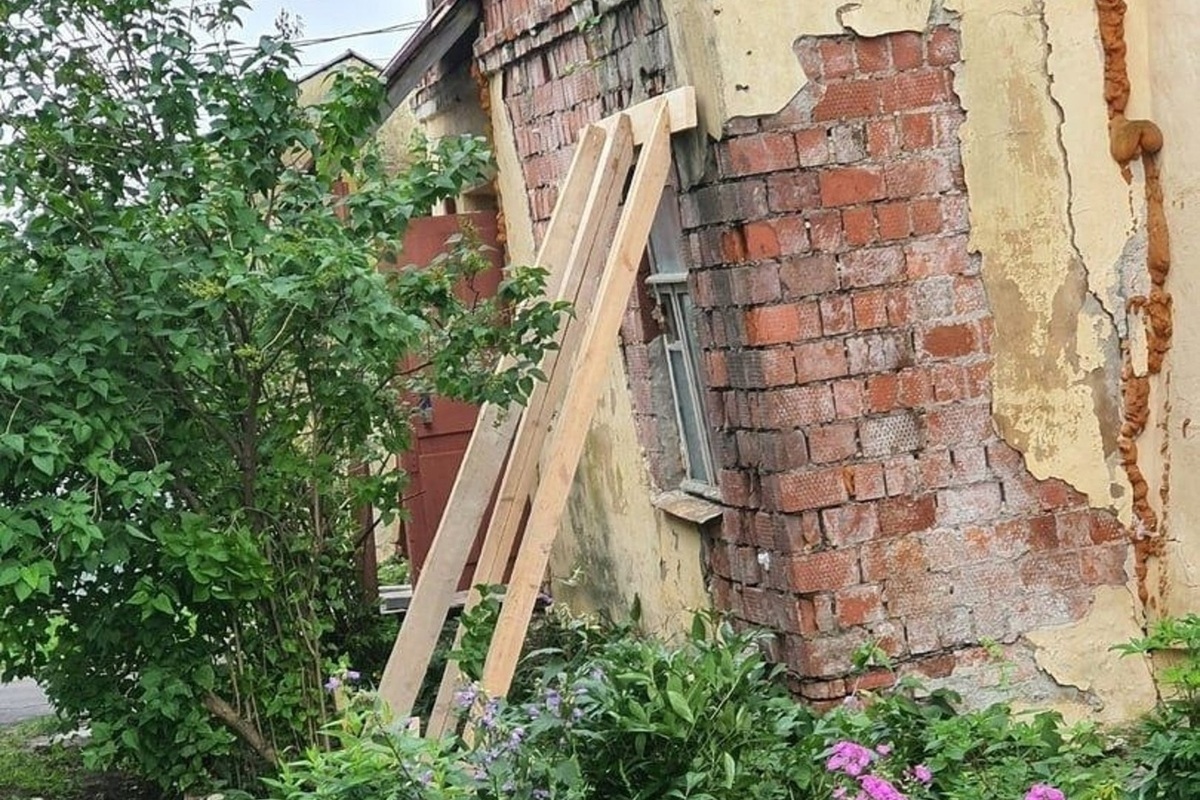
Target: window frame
(667, 286)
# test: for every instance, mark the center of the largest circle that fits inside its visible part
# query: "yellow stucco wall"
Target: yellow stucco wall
(614, 546)
(1175, 74)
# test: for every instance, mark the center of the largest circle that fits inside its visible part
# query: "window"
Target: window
(668, 284)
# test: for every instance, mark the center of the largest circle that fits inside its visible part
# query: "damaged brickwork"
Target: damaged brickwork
(848, 347)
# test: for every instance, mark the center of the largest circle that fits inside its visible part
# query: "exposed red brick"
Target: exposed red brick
(837, 57)
(851, 185)
(837, 315)
(793, 191)
(1104, 566)
(912, 90)
(773, 325)
(848, 399)
(823, 572)
(901, 515)
(908, 50)
(800, 491)
(916, 131)
(857, 605)
(926, 216)
(870, 309)
(733, 246)
(802, 405)
(919, 177)
(883, 139)
(831, 443)
(812, 147)
(793, 235)
(850, 524)
(858, 224)
(943, 47)
(893, 220)
(867, 482)
(928, 257)
(802, 276)
(825, 230)
(873, 267)
(856, 99)
(819, 361)
(958, 425)
(874, 54)
(761, 240)
(950, 341)
(764, 152)
(883, 392)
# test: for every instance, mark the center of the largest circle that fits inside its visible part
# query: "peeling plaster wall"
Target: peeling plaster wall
(1175, 75)
(614, 545)
(618, 548)
(1057, 354)
(739, 54)
(1062, 240)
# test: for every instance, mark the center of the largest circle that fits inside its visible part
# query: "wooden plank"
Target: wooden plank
(681, 104)
(481, 467)
(565, 444)
(587, 264)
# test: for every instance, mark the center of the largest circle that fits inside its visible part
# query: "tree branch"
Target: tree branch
(242, 727)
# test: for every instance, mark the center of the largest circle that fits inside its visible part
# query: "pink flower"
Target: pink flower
(923, 774)
(1042, 791)
(879, 789)
(849, 757)
(883, 749)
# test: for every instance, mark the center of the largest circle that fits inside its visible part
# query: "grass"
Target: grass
(55, 772)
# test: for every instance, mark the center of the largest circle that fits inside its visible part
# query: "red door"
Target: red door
(443, 429)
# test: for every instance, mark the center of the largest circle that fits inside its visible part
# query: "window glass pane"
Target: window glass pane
(690, 418)
(666, 256)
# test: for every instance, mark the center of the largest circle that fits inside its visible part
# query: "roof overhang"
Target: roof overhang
(448, 23)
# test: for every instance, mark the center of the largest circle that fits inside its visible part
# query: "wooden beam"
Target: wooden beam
(681, 104)
(481, 467)
(565, 444)
(586, 269)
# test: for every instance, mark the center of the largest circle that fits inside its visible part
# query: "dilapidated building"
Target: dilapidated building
(903, 363)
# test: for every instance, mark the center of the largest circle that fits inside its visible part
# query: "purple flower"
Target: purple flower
(883, 749)
(489, 713)
(465, 698)
(849, 757)
(1042, 791)
(515, 738)
(533, 711)
(540, 794)
(333, 683)
(879, 789)
(553, 700)
(352, 675)
(576, 714)
(923, 774)
(426, 777)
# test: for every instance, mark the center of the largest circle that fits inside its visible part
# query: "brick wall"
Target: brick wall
(847, 342)
(562, 68)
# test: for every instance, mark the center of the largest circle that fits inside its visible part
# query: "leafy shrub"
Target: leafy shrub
(1168, 747)
(198, 354)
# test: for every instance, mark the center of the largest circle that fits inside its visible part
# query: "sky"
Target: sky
(324, 18)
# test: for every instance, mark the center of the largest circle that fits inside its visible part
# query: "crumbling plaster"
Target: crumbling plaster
(615, 546)
(1059, 230)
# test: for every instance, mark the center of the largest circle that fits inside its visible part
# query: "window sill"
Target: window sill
(686, 506)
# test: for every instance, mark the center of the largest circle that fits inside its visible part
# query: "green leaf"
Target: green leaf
(680, 706)
(44, 463)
